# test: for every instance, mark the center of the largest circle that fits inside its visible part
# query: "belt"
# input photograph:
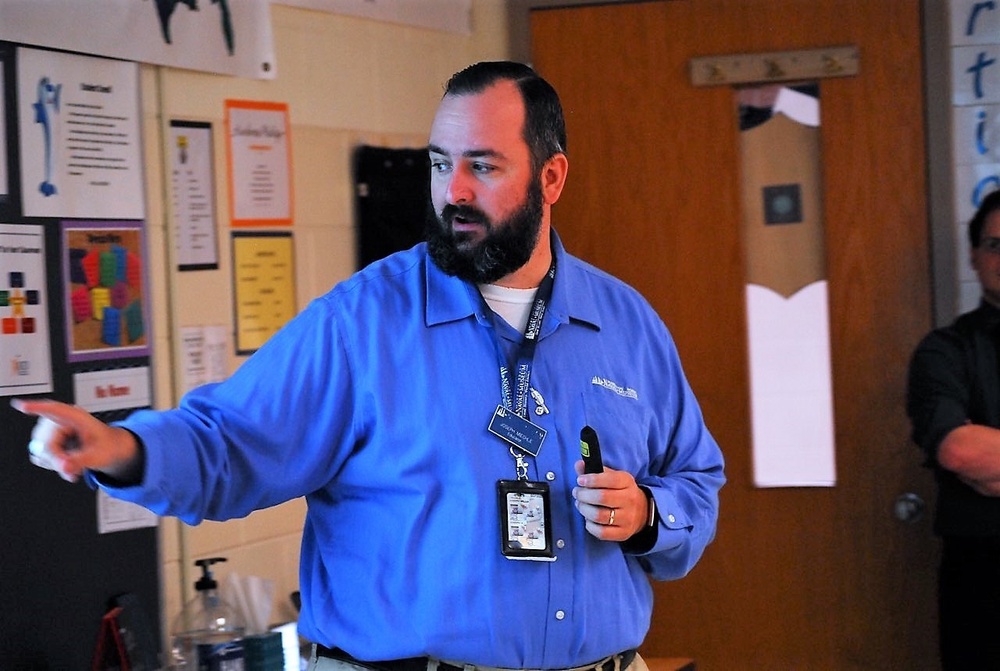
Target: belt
(623, 659)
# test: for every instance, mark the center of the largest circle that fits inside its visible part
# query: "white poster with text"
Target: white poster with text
(80, 142)
(25, 364)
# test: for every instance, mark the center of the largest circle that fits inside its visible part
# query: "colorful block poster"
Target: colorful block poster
(106, 306)
(81, 148)
(25, 361)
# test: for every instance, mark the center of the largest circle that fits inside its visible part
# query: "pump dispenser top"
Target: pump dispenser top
(208, 630)
(207, 581)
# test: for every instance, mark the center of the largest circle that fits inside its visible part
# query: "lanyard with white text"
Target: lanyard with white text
(522, 435)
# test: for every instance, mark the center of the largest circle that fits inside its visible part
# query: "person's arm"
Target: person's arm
(939, 403)
(69, 440)
(972, 452)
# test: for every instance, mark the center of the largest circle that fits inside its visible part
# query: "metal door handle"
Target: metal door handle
(909, 508)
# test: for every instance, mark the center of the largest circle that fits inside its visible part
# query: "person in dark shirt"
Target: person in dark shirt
(953, 401)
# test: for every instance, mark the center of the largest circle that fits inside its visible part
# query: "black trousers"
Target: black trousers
(969, 603)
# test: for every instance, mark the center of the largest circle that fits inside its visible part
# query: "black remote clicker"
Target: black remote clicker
(590, 449)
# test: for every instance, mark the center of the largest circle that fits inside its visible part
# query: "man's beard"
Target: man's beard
(505, 246)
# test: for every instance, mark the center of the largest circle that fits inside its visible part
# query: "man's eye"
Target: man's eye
(482, 167)
(438, 166)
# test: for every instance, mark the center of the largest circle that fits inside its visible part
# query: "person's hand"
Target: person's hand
(989, 488)
(611, 502)
(67, 439)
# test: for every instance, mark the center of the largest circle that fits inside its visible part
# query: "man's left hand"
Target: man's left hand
(611, 502)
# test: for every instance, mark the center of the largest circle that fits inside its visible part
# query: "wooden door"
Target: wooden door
(798, 578)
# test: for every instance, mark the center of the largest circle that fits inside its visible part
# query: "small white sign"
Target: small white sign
(114, 515)
(105, 390)
(204, 354)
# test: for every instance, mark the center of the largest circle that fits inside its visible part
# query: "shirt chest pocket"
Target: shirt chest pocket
(622, 425)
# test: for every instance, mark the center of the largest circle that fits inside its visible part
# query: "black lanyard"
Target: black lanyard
(515, 391)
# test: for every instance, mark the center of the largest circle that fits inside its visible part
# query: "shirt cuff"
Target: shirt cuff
(643, 540)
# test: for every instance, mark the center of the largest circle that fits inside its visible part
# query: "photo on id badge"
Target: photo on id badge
(525, 522)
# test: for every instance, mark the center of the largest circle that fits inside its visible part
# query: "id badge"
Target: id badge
(517, 431)
(525, 520)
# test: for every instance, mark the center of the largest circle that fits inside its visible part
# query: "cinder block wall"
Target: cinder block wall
(346, 81)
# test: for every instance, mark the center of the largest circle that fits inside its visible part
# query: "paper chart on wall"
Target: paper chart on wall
(259, 161)
(264, 285)
(230, 37)
(203, 355)
(193, 194)
(25, 364)
(4, 185)
(80, 141)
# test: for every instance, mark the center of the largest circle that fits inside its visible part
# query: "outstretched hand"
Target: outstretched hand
(68, 440)
(611, 502)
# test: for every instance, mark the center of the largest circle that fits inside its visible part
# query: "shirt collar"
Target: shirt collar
(988, 314)
(451, 299)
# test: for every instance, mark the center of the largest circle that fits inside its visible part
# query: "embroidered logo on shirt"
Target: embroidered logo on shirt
(627, 392)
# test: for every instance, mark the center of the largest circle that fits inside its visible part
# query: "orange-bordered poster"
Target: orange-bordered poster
(259, 161)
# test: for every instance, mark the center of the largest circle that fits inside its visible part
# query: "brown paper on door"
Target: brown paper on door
(785, 256)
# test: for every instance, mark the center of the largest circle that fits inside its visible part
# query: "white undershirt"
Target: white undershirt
(514, 305)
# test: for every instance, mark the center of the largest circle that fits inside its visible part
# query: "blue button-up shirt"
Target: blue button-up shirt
(374, 403)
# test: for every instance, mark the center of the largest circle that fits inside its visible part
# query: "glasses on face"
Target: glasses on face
(990, 244)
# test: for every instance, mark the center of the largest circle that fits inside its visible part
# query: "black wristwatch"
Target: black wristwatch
(645, 538)
(651, 519)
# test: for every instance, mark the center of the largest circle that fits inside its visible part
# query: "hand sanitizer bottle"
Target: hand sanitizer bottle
(208, 633)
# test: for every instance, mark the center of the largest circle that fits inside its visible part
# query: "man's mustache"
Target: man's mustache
(469, 212)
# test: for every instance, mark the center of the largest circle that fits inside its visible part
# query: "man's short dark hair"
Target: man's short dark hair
(544, 124)
(989, 205)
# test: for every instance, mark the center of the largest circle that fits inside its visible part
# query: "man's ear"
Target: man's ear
(554, 178)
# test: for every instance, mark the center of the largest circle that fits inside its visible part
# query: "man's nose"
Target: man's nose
(460, 189)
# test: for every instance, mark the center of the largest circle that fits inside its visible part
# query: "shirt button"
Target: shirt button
(671, 519)
(560, 544)
(560, 615)
(550, 476)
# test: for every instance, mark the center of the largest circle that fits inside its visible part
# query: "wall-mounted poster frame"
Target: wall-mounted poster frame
(8, 147)
(80, 136)
(193, 191)
(25, 362)
(107, 311)
(259, 154)
(4, 170)
(228, 37)
(263, 286)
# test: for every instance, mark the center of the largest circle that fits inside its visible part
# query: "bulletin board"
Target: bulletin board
(74, 316)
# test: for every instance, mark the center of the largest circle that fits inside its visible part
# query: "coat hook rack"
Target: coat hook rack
(779, 66)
